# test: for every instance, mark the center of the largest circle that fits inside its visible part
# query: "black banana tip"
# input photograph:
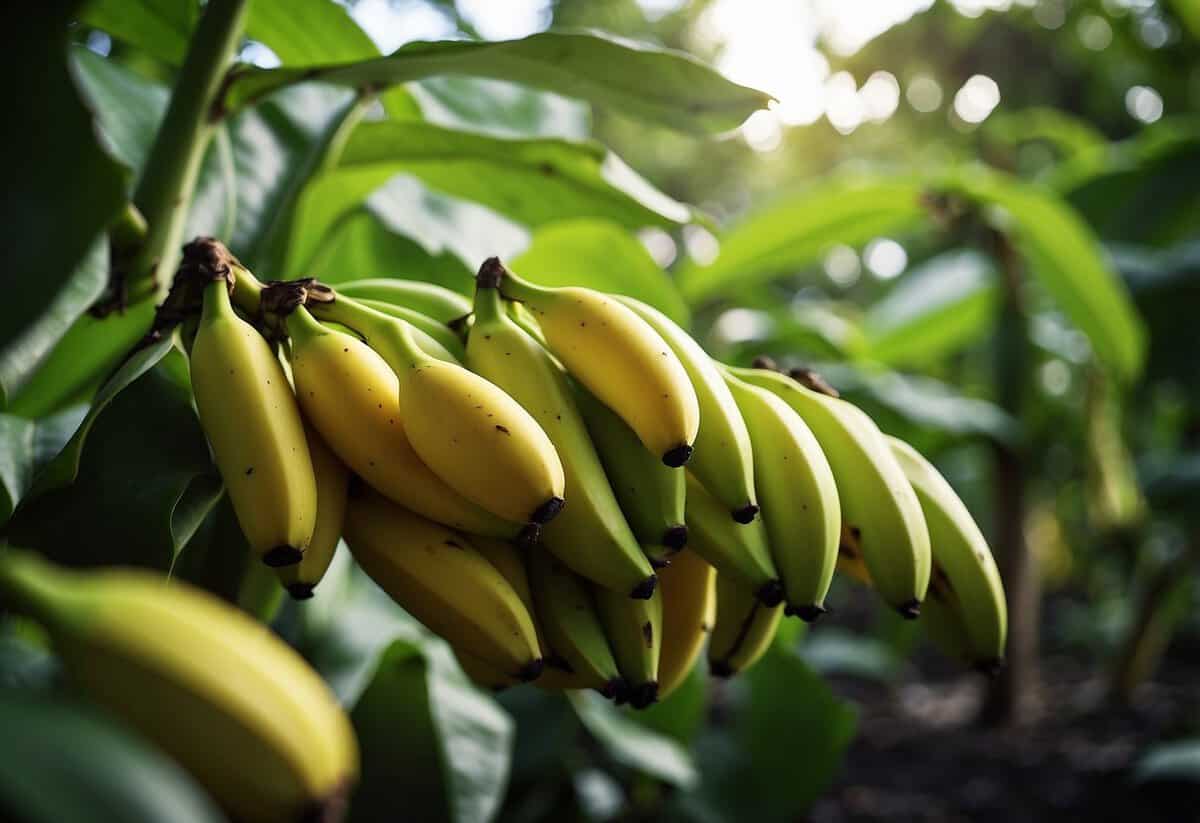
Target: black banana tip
(807, 613)
(549, 510)
(490, 274)
(283, 556)
(301, 591)
(989, 668)
(675, 538)
(677, 456)
(765, 362)
(531, 670)
(528, 537)
(910, 610)
(659, 562)
(721, 668)
(645, 589)
(770, 594)
(555, 661)
(643, 696)
(745, 514)
(614, 690)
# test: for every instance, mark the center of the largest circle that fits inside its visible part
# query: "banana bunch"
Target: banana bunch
(561, 483)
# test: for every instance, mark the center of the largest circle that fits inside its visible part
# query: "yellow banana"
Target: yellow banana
(590, 536)
(444, 582)
(617, 356)
(880, 510)
(466, 429)
(689, 598)
(965, 581)
(438, 331)
(723, 461)
(333, 481)
(799, 498)
(650, 494)
(737, 551)
(743, 631)
(634, 632)
(210, 686)
(351, 398)
(429, 299)
(253, 424)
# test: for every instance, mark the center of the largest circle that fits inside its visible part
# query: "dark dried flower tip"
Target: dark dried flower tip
(720, 668)
(548, 510)
(657, 563)
(531, 670)
(331, 808)
(283, 556)
(301, 591)
(677, 456)
(491, 274)
(910, 610)
(614, 689)
(806, 613)
(675, 537)
(765, 362)
(745, 514)
(206, 259)
(644, 695)
(529, 536)
(770, 594)
(645, 589)
(813, 381)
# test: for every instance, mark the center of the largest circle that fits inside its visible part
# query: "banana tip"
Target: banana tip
(643, 696)
(677, 456)
(283, 556)
(807, 613)
(531, 670)
(301, 591)
(910, 610)
(746, 514)
(332, 806)
(645, 589)
(548, 511)
(614, 689)
(770, 594)
(659, 562)
(491, 274)
(721, 668)
(675, 537)
(529, 536)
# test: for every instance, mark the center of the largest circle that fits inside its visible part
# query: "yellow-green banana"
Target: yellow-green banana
(253, 424)
(634, 632)
(737, 551)
(743, 631)
(650, 494)
(880, 511)
(429, 299)
(590, 535)
(333, 482)
(723, 460)
(617, 356)
(213, 688)
(798, 495)
(689, 598)
(351, 398)
(444, 582)
(465, 428)
(965, 583)
(438, 331)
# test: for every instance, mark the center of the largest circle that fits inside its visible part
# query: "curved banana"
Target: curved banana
(213, 688)
(650, 494)
(634, 632)
(617, 356)
(590, 535)
(438, 331)
(442, 304)
(880, 510)
(333, 482)
(444, 582)
(738, 552)
(965, 588)
(799, 498)
(723, 460)
(567, 614)
(351, 398)
(743, 631)
(466, 429)
(689, 607)
(253, 424)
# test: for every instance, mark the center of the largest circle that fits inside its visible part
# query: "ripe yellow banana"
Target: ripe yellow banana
(590, 535)
(253, 424)
(880, 510)
(689, 596)
(466, 429)
(567, 614)
(965, 585)
(799, 498)
(333, 482)
(737, 551)
(444, 582)
(438, 331)
(650, 494)
(617, 356)
(213, 688)
(351, 398)
(723, 461)
(743, 631)
(431, 300)
(634, 632)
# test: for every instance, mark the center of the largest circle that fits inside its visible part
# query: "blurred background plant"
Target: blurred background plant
(978, 219)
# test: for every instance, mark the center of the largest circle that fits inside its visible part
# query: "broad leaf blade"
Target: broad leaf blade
(666, 87)
(308, 31)
(25, 447)
(498, 108)
(633, 745)
(158, 27)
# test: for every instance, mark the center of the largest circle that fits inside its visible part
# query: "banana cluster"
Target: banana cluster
(562, 483)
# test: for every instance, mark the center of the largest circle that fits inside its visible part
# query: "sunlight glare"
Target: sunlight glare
(977, 98)
(885, 258)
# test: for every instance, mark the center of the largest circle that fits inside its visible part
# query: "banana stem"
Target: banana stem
(489, 305)
(168, 180)
(27, 587)
(391, 337)
(247, 290)
(495, 275)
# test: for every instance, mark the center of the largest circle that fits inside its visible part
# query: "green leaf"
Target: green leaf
(128, 107)
(1066, 258)
(1189, 12)
(158, 27)
(1071, 135)
(648, 82)
(308, 31)
(61, 188)
(600, 255)
(1161, 282)
(681, 714)
(433, 747)
(631, 744)
(499, 108)
(933, 311)
(63, 761)
(25, 447)
(797, 231)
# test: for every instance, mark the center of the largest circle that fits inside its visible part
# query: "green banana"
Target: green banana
(634, 632)
(743, 631)
(429, 299)
(590, 535)
(799, 497)
(739, 552)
